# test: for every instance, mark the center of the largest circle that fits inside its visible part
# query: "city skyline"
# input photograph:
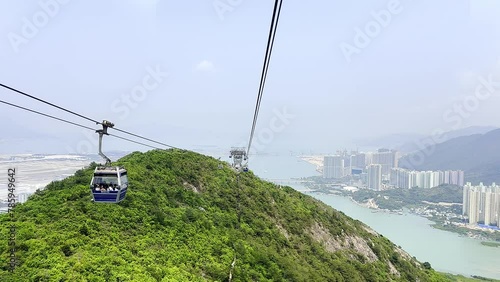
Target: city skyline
(378, 171)
(404, 178)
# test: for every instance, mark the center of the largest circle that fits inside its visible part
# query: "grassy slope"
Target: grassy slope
(179, 222)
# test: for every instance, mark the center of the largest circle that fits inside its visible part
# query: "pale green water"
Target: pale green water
(445, 251)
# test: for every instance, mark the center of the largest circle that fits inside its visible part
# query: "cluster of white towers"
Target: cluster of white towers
(482, 204)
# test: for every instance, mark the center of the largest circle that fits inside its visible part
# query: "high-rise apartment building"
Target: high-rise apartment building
(402, 178)
(482, 204)
(358, 160)
(333, 167)
(375, 177)
(388, 159)
(455, 177)
(465, 200)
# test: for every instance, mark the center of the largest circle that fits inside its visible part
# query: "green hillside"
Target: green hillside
(396, 199)
(186, 220)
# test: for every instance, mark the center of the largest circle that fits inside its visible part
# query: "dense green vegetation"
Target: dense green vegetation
(474, 278)
(491, 244)
(395, 199)
(186, 220)
(479, 234)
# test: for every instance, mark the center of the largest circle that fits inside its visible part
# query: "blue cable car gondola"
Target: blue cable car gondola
(110, 183)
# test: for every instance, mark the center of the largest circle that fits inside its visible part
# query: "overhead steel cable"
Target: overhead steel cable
(74, 123)
(269, 58)
(46, 115)
(268, 54)
(138, 136)
(265, 67)
(48, 103)
(87, 118)
(136, 142)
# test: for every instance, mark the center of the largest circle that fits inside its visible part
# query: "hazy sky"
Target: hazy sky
(342, 69)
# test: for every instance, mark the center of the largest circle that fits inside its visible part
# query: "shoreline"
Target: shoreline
(373, 206)
(407, 216)
(317, 161)
(370, 204)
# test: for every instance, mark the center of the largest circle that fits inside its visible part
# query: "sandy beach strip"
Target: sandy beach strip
(315, 160)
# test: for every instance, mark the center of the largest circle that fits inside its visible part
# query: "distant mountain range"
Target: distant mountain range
(394, 141)
(477, 154)
(409, 142)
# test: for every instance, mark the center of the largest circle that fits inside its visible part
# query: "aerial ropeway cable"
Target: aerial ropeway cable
(240, 154)
(109, 184)
(48, 103)
(74, 123)
(46, 115)
(265, 67)
(84, 117)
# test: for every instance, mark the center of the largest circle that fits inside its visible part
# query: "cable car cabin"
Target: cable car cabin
(109, 184)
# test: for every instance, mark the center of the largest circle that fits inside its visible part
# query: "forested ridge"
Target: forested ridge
(395, 199)
(184, 219)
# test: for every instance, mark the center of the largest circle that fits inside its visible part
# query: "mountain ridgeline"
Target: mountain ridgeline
(184, 219)
(478, 155)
